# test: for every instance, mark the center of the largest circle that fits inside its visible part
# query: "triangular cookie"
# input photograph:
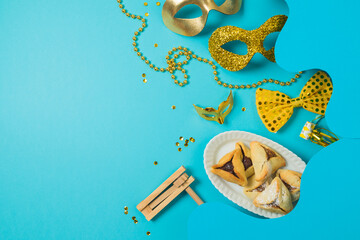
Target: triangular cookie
(231, 168)
(265, 160)
(246, 159)
(254, 188)
(276, 198)
(292, 181)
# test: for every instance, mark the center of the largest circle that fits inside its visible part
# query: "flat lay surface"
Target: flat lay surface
(83, 119)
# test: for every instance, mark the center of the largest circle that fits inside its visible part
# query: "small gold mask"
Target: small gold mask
(192, 27)
(254, 40)
(218, 115)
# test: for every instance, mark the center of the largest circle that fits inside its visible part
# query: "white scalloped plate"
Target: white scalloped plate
(224, 143)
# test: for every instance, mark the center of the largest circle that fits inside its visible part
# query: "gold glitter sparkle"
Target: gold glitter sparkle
(126, 212)
(181, 138)
(177, 144)
(145, 80)
(173, 106)
(253, 39)
(179, 149)
(243, 109)
(143, 75)
(125, 208)
(156, 45)
(136, 221)
(145, 3)
(158, 3)
(155, 163)
(146, 14)
(148, 233)
(192, 139)
(133, 218)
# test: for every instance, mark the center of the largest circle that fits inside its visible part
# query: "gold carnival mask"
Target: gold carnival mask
(219, 114)
(192, 27)
(254, 40)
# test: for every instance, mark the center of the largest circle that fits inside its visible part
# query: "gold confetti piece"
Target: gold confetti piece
(179, 149)
(143, 75)
(173, 106)
(125, 208)
(133, 218)
(145, 80)
(146, 14)
(148, 233)
(158, 3)
(192, 139)
(155, 163)
(177, 144)
(156, 45)
(145, 3)
(181, 138)
(187, 141)
(186, 144)
(136, 221)
(243, 109)
(126, 212)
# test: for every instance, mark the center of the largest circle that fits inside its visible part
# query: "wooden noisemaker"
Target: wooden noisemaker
(167, 192)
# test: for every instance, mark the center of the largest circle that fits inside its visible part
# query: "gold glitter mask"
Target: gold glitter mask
(192, 27)
(254, 40)
(219, 114)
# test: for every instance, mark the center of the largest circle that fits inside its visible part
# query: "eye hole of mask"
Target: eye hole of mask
(270, 40)
(209, 115)
(226, 108)
(219, 2)
(189, 11)
(236, 46)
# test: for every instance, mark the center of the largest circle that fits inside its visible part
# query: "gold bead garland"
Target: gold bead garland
(180, 51)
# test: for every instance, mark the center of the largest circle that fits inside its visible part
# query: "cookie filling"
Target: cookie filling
(269, 153)
(246, 161)
(288, 186)
(228, 167)
(274, 205)
(259, 188)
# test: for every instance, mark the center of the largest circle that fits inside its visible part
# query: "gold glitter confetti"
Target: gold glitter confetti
(143, 75)
(187, 141)
(158, 3)
(145, 3)
(126, 212)
(146, 14)
(125, 208)
(133, 218)
(181, 138)
(186, 144)
(243, 109)
(177, 144)
(156, 45)
(145, 80)
(136, 221)
(155, 163)
(148, 233)
(173, 106)
(179, 149)
(192, 139)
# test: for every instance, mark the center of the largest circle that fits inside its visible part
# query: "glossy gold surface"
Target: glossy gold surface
(192, 27)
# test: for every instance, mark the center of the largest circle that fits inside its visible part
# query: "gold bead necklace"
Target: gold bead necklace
(180, 51)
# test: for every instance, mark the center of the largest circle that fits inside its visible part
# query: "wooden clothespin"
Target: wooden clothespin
(166, 192)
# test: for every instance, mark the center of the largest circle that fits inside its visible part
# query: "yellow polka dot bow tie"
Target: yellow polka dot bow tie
(276, 108)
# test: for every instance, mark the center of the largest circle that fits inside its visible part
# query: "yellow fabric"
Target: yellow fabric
(276, 108)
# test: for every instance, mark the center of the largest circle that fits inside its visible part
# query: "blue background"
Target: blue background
(80, 130)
